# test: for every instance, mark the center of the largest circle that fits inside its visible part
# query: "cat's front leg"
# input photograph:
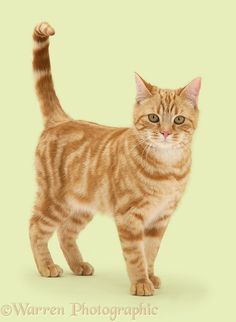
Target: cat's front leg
(131, 232)
(153, 235)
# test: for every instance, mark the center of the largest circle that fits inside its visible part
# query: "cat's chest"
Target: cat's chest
(165, 202)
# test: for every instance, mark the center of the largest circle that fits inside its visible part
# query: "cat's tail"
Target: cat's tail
(49, 103)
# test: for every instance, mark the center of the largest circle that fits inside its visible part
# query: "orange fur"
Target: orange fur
(138, 174)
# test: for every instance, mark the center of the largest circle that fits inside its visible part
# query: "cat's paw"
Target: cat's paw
(142, 288)
(52, 270)
(83, 269)
(155, 281)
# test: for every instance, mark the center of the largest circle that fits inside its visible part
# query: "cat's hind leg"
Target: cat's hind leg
(67, 234)
(43, 223)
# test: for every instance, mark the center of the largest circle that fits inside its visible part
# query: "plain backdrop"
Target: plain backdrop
(97, 47)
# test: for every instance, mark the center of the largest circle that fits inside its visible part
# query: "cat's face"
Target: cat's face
(166, 118)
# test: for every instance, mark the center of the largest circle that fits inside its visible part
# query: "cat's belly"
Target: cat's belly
(163, 202)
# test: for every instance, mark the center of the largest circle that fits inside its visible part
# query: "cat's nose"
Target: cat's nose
(165, 133)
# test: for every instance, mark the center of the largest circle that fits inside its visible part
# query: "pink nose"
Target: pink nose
(165, 133)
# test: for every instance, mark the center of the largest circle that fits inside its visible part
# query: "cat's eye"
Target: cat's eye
(179, 119)
(153, 118)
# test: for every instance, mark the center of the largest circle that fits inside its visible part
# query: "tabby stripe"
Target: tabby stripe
(129, 235)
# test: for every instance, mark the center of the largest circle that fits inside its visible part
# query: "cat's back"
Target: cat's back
(78, 129)
(76, 140)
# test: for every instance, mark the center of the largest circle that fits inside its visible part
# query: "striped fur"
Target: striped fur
(132, 173)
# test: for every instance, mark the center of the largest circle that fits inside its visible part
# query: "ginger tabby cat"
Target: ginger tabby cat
(138, 174)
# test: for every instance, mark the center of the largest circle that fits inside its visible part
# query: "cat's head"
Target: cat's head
(166, 118)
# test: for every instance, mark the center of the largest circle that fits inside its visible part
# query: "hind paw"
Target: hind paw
(83, 269)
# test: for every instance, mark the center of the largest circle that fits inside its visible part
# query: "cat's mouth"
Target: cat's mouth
(167, 143)
(164, 141)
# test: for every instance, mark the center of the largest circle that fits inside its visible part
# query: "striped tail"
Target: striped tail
(49, 103)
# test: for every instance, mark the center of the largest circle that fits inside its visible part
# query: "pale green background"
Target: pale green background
(97, 47)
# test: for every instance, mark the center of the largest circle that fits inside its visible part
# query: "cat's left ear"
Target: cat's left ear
(191, 91)
(143, 89)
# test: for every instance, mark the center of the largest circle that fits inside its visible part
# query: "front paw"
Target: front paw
(142, 287)
(51, 270)
(155, 281)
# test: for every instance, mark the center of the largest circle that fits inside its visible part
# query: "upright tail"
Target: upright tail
(49, 103)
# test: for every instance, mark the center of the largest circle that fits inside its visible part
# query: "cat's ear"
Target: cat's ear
(191, 91)
(143, 89)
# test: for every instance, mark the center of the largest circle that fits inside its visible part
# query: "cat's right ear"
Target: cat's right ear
(143, 89)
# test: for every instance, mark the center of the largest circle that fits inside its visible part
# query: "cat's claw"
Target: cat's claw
(155, 281)
(52, 270)
(83, 269)
(142, 288)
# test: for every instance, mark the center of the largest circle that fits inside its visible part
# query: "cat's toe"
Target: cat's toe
(155, 281)
(52, 270)
(83, 269)
(142, 288)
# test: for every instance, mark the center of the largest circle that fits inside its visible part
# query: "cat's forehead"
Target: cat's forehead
(165, 99)
(166, 94)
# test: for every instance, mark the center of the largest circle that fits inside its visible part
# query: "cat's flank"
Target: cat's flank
(137, 174)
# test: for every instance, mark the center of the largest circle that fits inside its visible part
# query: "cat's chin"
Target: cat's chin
(165, 145)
